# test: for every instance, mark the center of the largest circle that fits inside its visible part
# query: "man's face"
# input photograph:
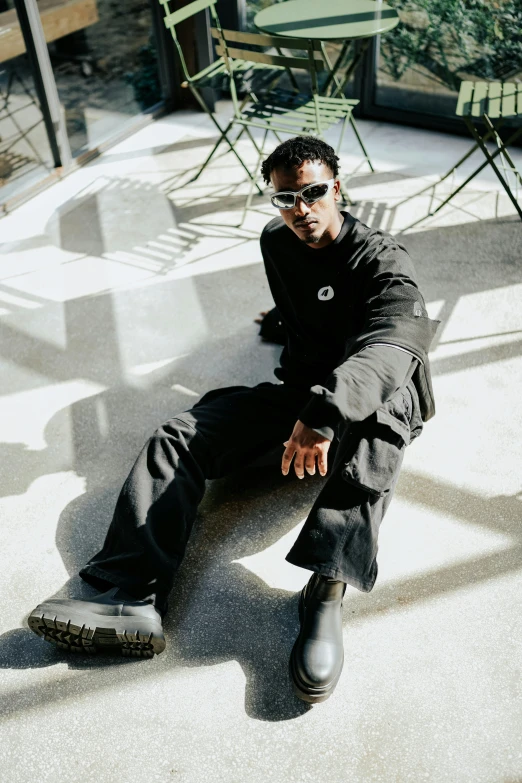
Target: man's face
(316, 224)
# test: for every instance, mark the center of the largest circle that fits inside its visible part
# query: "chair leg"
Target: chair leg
(345, 195)
(209, 157)
(502, 148)
(492, 163)
(361, 144)
(332, 75)
(453, 193)
(244, 129)
(252, 139)
(223, 137)
(448, 174)
(511, 139)
(254, 180)
(23, 132)
(227, 152)
(341, 135)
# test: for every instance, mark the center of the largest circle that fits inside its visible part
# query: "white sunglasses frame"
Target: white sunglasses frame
(297, 193)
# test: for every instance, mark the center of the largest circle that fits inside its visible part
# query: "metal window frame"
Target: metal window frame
(44, 82)
(50, 107)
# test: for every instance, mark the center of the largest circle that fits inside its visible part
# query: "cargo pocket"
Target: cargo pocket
(377, 456)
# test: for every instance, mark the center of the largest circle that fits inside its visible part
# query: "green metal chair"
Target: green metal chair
(493, 104)
(282, 111)
(262, 76)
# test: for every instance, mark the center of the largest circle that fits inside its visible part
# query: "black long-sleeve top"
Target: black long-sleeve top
(328, 297)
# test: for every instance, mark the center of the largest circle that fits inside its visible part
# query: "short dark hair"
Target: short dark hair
(293, 152)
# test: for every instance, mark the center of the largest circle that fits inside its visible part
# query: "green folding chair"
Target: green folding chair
(263, 77)
(282, 111)
(492, 104)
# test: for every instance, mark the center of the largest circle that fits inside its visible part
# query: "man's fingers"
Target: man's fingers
(305, 459)
(299, 465)
(287, 458)
(310, 463)
(262, 314)
(289, 454)
(322, 462)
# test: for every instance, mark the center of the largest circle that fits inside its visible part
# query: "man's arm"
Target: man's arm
(375, 374)
(357, 388)
(394, 329)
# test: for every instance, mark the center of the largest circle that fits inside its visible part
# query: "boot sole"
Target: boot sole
(84, 632)
(302, 690)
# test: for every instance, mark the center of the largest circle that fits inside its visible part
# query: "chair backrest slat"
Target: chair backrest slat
(268, 59)
(494, 99)
(464, 102)
(260, 39)
(479, 99)
(175, 17)
(509, 99)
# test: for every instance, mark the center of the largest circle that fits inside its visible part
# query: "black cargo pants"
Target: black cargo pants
(231, 428)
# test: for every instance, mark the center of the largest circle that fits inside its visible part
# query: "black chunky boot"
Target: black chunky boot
(317, 657)
(110, 621)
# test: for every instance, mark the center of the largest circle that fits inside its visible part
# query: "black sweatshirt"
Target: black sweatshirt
(327, 297)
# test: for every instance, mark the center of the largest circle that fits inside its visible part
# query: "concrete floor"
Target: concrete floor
(124, 295)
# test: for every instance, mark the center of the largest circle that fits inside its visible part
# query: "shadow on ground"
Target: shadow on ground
(219, 610)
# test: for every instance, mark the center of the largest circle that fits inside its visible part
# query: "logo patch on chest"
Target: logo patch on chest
(325, 293)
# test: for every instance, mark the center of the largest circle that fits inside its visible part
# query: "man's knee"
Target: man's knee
(176, 440)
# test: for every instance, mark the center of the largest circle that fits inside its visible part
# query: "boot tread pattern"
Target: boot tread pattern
(76, 639)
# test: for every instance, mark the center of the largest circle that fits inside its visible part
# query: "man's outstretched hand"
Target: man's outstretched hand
(304, 447)
(262, 314)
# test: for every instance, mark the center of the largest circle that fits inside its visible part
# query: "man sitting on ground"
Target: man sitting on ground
(354, 370)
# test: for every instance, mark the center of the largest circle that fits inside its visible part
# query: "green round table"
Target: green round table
(335, 20)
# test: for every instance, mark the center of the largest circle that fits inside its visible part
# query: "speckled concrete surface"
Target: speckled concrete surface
(125, 293)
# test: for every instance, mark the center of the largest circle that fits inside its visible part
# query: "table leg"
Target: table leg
(332, 76)
(339, 90)
(501, 148)
(480, 144)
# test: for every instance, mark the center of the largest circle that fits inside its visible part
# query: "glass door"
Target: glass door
(25, 152)
(74, 74)
(104, 61)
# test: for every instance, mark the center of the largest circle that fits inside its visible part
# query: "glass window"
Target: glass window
(103, 55)
(25, 154)
(438, 43)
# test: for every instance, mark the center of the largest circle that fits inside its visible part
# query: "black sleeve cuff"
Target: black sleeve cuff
(324, 432)
(320, 415)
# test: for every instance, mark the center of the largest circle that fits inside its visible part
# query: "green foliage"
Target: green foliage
(455, 39)
(449, 39)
